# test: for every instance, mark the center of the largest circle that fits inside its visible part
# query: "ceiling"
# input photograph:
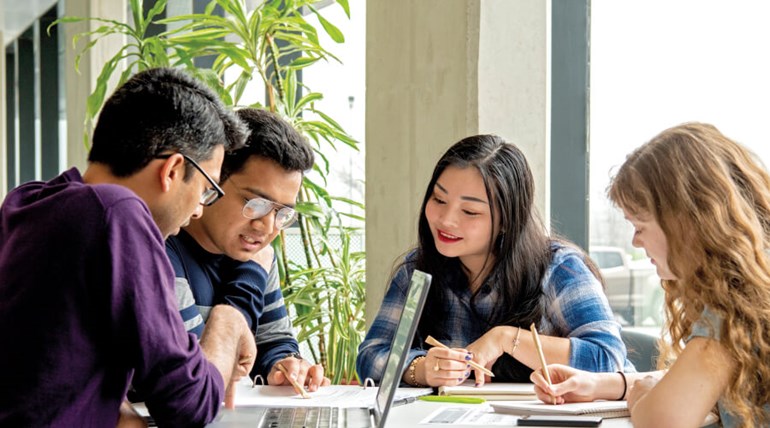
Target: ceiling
(16, 15)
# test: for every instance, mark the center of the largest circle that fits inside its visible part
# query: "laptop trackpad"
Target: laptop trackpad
(244, 415)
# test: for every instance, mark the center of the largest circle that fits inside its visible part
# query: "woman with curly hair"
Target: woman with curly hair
(700, 206)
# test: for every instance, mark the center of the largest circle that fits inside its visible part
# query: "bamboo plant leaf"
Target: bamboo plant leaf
(159, 6)
(136, 12)
(345, 7)
(330, 29)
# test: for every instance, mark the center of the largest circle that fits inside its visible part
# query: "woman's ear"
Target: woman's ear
(173, 169)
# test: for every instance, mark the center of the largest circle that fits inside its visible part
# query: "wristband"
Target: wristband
(625, 385)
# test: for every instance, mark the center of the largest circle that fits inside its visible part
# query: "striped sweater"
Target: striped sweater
(204, 280)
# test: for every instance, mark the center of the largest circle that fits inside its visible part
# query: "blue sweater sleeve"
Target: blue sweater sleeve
(577, 308)
(373, 351)
(258, 296)
(243, 287)
(275, 336)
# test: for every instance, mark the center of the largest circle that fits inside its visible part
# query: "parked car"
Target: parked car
(632, 287)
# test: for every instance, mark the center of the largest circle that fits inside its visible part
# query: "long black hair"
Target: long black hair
(520, 252)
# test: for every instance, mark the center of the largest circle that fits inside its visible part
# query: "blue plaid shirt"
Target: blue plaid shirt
(575, 307)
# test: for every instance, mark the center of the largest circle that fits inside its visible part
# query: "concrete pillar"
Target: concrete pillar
(514, 82)
(438, 71)
(78, 86)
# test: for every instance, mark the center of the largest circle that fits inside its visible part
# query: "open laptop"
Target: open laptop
(331, 417)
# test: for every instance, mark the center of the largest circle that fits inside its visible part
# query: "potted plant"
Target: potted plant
(270, 43)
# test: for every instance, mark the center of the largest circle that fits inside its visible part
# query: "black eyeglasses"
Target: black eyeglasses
(210, 195)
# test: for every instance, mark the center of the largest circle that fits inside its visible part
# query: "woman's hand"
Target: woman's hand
(486, 350)
(568, 384)
(443, 366)
(639, 389)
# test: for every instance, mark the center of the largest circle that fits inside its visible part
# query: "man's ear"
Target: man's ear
(173, 169)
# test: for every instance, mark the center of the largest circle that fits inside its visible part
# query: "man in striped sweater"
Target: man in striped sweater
(225, 257)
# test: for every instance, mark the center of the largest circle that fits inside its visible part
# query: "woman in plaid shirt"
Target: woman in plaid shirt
(495, 272)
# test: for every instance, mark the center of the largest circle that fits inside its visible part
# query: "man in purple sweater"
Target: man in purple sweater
(87, 302)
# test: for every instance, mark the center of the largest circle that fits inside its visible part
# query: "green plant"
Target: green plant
(270, 43)
(332, 295)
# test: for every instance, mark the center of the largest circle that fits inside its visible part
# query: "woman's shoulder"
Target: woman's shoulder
(565, 253)
(708, 325)
(567, 268)
(403, 269)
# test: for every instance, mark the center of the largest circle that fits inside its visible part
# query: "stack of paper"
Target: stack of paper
(492, 391)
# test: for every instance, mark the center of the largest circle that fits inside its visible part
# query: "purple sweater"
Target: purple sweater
(87, 306)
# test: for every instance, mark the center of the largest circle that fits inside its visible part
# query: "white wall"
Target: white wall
(79, 85)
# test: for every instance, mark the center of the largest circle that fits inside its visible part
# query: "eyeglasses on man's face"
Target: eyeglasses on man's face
(260, 207)
(211, 194)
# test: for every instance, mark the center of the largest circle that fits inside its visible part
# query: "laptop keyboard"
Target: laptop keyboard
(301, 417)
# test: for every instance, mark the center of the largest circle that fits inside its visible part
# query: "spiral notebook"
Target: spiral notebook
(605, 409)
(492, 391)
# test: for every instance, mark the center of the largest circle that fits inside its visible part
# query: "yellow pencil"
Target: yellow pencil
(297, 387)
(540, 353)
(431, 341)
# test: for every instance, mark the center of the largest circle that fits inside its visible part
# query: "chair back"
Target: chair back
(642, 349)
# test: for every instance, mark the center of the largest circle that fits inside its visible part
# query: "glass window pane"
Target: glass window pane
(656, 64)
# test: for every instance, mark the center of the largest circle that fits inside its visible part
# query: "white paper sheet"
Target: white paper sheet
(468, 416)
(332, 396)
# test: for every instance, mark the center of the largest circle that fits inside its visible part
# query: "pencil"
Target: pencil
(540, 353)
(297, 387)
(431, 341)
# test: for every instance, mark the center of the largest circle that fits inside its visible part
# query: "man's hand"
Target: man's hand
(311, 376)
(229, 344)
(129, 418)
(264, 257)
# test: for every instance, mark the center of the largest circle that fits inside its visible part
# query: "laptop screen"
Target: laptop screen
(407, 325)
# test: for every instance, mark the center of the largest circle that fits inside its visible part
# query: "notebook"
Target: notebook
(605, 409)
(492, 391)
(373, 416)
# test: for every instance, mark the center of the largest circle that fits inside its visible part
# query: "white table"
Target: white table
(411, 414)
(405, 416)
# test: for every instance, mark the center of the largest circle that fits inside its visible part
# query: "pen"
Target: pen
(297, 387)
(540, 353)
(431, 341)
(452, 399)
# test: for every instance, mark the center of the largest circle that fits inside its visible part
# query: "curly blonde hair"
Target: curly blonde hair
(711, 198)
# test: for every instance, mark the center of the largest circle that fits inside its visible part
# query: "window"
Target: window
(656, 64)
(33, 147)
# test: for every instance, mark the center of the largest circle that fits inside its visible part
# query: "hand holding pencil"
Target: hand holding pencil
(441, 366)
(297, 387)
(544, 365)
